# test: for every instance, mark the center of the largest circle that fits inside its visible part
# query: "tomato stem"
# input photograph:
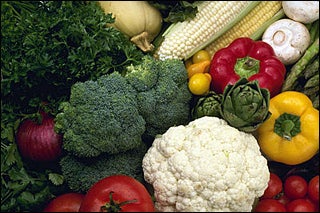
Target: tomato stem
(113, 206)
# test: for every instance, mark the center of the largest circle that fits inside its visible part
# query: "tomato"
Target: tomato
(313, 188)
(200, 67)
(117, 193)
(201, 55)
(295, 187)
(199, 83)
(269, 205)
(69, 202)
(300, 205)
(283, 199)
(274, 186)
(188, 63)
(314, 203)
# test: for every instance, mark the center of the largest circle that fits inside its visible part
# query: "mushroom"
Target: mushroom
(302, 11)
(289, 40)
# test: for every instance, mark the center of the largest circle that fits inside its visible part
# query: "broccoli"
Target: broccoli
(144, 75)
(82, 173)
(100, 117)
(163, 95)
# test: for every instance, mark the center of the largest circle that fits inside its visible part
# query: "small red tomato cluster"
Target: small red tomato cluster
(294, 194)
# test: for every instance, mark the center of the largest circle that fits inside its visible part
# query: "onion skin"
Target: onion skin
(39, 142)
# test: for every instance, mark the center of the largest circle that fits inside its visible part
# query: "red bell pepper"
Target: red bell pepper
(253, 60)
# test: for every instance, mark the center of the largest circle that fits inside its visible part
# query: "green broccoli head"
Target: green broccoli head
(101, 117)
(143, 76)
(81, 173)
(167, 103)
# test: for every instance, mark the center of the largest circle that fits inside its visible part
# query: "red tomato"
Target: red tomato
(300, 205)
(269, 205)
(117, 193)
(274, 186)
(295, 187)
(315, 204)
(283, 199)
(313, 189)
(69, 202)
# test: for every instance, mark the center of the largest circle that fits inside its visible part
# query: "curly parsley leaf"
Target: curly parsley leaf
(47, 46)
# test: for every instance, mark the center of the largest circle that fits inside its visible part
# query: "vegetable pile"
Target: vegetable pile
(196, 106)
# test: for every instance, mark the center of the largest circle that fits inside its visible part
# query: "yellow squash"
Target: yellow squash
(291, 134)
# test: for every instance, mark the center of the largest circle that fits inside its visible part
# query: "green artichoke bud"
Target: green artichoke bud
(245, 105)
(208, 105)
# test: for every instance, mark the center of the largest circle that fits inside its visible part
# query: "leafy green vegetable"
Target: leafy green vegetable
(175, 11)
(47, 46)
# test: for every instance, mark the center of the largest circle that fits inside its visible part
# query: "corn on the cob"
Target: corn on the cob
(183, 39)
(247, 26)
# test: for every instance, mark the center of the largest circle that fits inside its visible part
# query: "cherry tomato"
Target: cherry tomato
(313, 189)
(200, 67)
(274, 186)
(69, 202)
(314, 203)
(300, 205)
(188, 63)
(199, 83)
(283, 199)
(201, 55)
(117, 193)
(269, 205)
(295, 187)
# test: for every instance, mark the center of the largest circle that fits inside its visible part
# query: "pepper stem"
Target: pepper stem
(247, 66)
(287, 126)
(114, 206)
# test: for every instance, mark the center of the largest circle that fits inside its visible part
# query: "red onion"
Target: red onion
(39, 142)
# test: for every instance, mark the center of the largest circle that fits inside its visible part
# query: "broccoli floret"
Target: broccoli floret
(100, 117)
(167, 103)
(81, 173)
(143, 76)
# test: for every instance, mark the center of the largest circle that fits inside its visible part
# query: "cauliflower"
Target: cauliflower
(206, 165)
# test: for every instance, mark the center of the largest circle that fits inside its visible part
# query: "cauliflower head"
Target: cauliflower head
(206, 165)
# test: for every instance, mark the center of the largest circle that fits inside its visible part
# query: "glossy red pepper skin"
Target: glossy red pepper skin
(270, 72)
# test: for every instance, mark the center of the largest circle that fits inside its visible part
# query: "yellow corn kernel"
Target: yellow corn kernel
(247, 26)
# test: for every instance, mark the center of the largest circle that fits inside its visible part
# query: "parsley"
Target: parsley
(47, 46)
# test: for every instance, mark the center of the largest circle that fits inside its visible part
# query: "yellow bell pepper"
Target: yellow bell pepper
(291, 134)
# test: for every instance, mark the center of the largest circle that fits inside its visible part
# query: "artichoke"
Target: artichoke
(208, 105)
(245, 105)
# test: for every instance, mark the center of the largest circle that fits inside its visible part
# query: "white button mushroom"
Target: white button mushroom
(301, 11)
(289, 40)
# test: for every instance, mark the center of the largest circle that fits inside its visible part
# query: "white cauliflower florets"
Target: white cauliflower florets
(206, 165)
